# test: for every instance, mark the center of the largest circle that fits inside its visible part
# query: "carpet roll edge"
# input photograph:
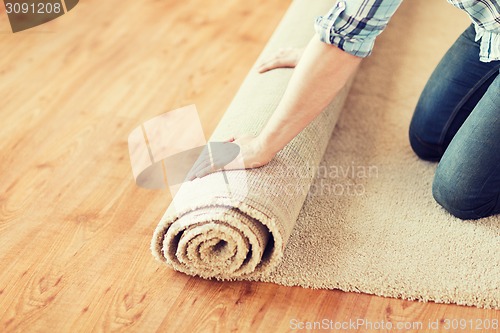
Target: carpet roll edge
(273, 252)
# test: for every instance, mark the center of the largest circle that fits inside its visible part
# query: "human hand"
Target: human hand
(244, 152)
(283, 58)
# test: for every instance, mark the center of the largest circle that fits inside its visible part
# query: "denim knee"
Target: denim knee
(425, 150)
(450, 199)
(459, 201)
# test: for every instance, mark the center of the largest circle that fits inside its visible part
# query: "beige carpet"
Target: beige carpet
(369, 223)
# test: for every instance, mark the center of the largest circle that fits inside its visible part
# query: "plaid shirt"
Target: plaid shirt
(353, 25)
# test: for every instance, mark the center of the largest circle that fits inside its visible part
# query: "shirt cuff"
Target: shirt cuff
(327, 31)
(489, 44)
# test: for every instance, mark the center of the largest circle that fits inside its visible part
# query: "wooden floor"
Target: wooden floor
(75, 230)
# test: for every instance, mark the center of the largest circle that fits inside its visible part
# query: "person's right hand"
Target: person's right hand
(236, 153)
(283, 58)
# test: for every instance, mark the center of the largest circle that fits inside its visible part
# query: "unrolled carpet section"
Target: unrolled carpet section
(352, 210)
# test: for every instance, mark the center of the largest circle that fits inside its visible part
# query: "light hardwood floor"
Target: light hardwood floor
(75, 230)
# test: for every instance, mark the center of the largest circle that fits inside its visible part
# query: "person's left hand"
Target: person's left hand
(236, 153)
(284, 58)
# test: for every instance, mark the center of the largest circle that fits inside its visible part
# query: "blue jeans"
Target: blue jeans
(457, 122)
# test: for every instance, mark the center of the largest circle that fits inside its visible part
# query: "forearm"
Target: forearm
(320, 74)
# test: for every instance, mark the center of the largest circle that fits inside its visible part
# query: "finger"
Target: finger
(267, 66)
(205, 171)
(270, 62)
(199, 165)
(278, 63)
(261, 67)
(264, 69)
(223, 164)
(191, 175)
(219, 164)
(266, 60)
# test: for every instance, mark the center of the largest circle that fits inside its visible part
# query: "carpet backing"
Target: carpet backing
(352, 210)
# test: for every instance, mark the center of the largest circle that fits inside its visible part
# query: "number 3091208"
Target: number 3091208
(33, 8)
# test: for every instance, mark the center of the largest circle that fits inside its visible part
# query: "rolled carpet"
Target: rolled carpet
(236, 224)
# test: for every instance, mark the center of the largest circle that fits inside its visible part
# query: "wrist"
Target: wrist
(267, 149)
